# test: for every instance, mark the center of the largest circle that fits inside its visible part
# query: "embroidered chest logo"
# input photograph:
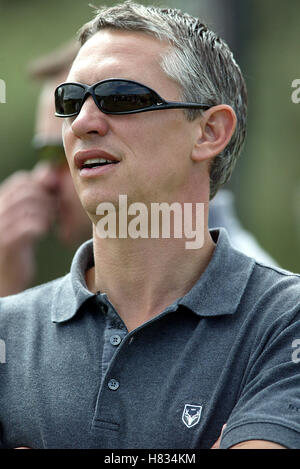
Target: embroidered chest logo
(191, 415)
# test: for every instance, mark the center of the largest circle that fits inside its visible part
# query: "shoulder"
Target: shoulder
(271, 299)
(277, 283)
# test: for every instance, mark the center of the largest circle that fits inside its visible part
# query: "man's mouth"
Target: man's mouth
(93, 159)
(96, 162)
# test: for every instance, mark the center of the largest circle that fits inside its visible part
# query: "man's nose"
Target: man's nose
(90, 120)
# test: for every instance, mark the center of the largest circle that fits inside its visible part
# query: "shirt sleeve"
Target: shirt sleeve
(268, 407)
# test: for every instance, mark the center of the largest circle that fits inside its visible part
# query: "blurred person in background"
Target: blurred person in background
(223, 214)
(33, 202)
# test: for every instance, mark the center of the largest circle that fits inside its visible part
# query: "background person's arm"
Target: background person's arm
(27, 210)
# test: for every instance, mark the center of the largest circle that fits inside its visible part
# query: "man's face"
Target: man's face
(153, 147)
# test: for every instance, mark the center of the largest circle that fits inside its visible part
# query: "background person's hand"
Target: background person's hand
(27, 210)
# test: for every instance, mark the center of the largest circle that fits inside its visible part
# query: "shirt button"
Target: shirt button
(113, 384)
(115, 339)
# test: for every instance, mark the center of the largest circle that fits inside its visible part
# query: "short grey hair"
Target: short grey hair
(199, 61)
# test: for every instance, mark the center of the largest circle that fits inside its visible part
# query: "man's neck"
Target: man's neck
(142, 277)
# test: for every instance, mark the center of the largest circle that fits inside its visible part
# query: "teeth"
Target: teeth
(97, 161)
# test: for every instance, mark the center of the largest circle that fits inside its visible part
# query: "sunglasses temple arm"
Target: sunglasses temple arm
(175, 105)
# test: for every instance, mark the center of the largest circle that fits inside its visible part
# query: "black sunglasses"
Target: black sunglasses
(113, 96)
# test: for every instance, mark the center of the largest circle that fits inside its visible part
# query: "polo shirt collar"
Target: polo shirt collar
(221, 286)
(71, 292)
(217, 292)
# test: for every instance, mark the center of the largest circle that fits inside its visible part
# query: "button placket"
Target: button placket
(114, 336)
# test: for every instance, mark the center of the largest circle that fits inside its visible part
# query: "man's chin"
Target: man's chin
(101, 205)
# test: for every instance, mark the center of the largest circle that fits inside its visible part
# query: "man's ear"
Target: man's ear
(216, 127)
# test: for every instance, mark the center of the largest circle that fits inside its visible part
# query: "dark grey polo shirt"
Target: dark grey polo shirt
(73, 377)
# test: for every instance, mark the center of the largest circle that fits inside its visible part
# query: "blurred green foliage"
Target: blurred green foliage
(267, 178)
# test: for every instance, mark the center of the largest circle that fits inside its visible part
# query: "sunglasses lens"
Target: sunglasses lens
(68, 99)
(123, 96)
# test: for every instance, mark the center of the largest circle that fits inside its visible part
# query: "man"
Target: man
(32, 202)
(148, 344)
